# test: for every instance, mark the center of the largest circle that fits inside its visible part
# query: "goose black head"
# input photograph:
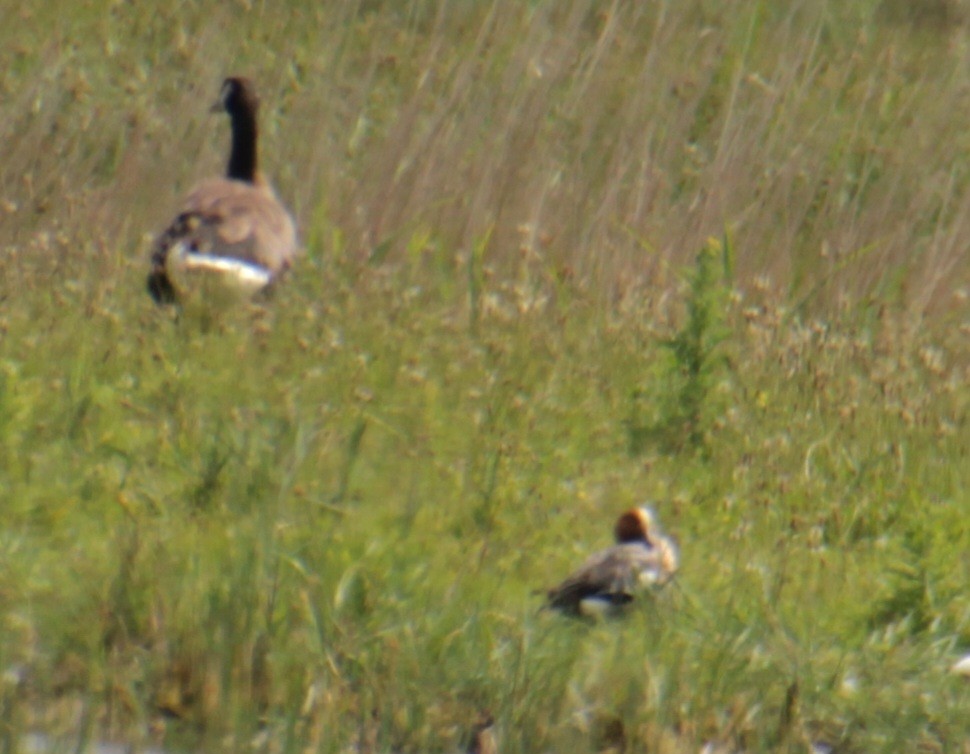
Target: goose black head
(237, 96)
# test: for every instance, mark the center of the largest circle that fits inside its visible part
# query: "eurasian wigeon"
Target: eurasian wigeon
(641, 558)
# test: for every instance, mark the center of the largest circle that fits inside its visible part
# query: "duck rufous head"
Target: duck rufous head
(634, 526)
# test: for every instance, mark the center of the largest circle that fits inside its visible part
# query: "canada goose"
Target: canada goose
(230, 229)
(610, 579)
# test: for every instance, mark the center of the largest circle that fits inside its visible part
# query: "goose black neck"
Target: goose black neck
(242, 158)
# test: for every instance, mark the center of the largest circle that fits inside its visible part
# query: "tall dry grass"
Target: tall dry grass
(610, 139)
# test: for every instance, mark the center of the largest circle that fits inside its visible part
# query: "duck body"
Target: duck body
(232, 234)
(611, 579)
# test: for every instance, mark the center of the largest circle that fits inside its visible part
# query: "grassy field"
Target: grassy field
(561, 258)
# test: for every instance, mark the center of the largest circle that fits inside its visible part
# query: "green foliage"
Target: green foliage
(682, 389)
(328, 516)
(919, 590)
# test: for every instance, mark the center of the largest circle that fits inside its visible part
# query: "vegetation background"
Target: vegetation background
(561, 257)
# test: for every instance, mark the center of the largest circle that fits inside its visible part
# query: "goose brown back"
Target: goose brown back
(233, 228)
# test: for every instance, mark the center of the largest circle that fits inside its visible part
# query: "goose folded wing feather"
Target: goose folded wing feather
(244, 222)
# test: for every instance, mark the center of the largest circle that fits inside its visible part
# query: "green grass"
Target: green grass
(324, 520)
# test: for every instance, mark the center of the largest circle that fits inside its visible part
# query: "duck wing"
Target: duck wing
(612, 576)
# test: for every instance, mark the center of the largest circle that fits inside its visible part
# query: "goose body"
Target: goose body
(232, 231)
(641, 558)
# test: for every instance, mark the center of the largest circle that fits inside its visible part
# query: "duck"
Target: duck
(232, 229)
(610, 579)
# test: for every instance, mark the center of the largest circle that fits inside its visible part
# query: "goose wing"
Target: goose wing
(232, 228)
(234, 219)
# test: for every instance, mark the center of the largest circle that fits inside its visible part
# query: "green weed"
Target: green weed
(682, 388)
